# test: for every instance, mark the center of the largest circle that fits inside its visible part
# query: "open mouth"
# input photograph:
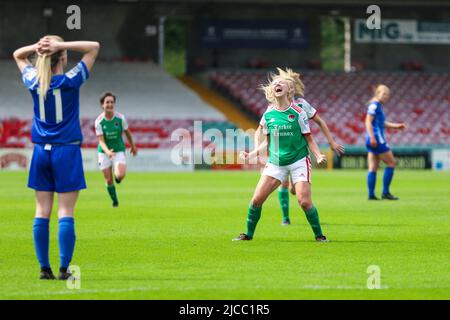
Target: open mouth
(278, 89)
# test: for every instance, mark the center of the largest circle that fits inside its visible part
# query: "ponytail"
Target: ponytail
(44, 65)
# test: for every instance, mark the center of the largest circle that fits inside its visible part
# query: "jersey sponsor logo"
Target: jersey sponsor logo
(72, 73)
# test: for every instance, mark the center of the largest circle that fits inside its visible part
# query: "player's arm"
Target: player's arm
(369, 127)
(395, 125)
(21, 55)
(131, 142)
(314, 149)
(89, 49)
(261, 149)
(106, 150)
(339, 149)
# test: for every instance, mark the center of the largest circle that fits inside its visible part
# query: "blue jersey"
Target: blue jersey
(56, 118)
(374, 108)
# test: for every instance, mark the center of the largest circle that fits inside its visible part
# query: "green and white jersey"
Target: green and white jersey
(286, 130)
(112, 131)
(306, 106)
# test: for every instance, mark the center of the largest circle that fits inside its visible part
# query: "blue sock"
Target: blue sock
(387, 178)
(371, 181)
(41, 240)
(66, 237)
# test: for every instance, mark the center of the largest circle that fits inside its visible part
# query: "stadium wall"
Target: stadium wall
(160, 160)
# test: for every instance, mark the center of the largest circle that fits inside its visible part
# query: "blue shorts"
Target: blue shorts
(58, 169)
(379, 149)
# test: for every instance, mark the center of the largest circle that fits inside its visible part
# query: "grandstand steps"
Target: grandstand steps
(231, 111)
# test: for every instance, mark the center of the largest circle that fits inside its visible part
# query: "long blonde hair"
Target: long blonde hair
(377, 90)
(267, 88)
(294, 77)
(44, 65)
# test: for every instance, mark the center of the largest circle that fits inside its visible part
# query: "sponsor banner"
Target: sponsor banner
(441, 159)
(254, 34)
(403, 31)
(146, 160)
(406, 159)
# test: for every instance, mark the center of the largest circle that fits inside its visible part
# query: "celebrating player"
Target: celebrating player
(109, 127)
(296, 93)
(377, 147)
(56, 165)
(290, 141)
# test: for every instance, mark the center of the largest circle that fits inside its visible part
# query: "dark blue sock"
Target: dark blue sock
(387, 178)
(41, 240)
(66, 237)
(371, 181)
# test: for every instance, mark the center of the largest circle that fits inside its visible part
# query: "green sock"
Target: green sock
(112, 192)
(283, 197)
(313, 218)
(252, 219)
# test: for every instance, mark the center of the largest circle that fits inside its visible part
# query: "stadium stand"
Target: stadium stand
(422, 100)
(154, 103)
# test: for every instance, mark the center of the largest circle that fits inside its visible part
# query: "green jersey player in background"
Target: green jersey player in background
(109, 128)
(289, 142)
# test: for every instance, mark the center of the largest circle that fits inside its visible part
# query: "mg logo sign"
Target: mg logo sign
(391, 31)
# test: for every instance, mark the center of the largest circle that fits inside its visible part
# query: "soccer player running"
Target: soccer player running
(289, 142)
(296, 93)
(56, 165)
(377, 147)
(109, 128)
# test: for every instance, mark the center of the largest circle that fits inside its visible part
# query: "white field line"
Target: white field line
(119, 290)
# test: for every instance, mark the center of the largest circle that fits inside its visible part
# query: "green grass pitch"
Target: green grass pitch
(171, 239)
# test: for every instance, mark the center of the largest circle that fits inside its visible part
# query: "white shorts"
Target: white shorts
(104, 162)
(299, 171)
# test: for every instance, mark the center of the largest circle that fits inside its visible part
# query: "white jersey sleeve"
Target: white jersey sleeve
(124, 120)
(309, 109)
(263, 125)
(98, 126)
(303, 120)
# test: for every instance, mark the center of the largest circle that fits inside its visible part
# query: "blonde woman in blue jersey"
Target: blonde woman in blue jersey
(296, 93)
(289, 142)
(377, 147)
(56, 165)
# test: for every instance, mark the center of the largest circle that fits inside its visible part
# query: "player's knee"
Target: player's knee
(306, 204)
(257, 201)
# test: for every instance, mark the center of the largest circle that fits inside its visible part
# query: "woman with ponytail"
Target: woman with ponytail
(56, 165)
(377, 147)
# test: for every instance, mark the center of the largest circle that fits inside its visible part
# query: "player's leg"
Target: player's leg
(269, 181)
(41, 234)
(105, 164)
(372, 164)
(41, 179)
(283, 197)
(301, 177)
(66, 232)
(110, 187)
(389, 159)
(120, 167)
(69, 179)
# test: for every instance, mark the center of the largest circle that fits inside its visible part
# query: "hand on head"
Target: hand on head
(47, 46)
